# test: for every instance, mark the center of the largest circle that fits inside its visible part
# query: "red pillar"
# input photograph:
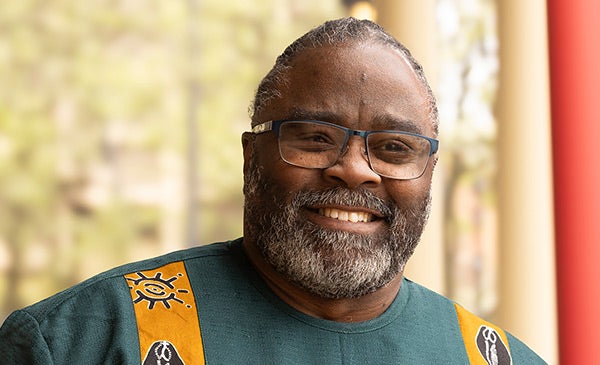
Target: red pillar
(574, 44)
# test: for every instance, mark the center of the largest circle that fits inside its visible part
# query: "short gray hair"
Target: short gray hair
(334, 32)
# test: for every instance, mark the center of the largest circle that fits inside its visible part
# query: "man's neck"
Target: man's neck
(359, 309)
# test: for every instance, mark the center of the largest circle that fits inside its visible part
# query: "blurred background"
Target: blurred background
(120, 124)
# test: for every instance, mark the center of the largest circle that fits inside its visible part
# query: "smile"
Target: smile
(346, 215)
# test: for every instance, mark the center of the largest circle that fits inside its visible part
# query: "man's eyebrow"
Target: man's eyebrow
(388, 122)
(380, 121)
(302, 114)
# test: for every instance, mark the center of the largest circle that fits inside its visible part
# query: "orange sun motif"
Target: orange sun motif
(156, 289)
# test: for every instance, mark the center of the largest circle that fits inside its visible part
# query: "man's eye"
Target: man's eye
(313, 141)
(396, 147)
(316, 138)
(394, 151)
(391, 146)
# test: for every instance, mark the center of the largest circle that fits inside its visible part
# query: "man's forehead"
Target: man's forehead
(337, 83)
(344, 67)
(347, 51)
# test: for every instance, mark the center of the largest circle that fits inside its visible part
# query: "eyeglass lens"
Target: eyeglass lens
(315, 145)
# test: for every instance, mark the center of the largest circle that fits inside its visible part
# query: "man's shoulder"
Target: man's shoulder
(425, 298)
(443, 312)
(111, 284)
(98, 312)
(205, 252)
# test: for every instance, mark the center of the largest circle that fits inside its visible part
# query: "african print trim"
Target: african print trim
(485, 343)
(166, 315)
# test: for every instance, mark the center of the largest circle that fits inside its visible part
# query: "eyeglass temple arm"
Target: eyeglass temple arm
(435, 145)
(263, 127)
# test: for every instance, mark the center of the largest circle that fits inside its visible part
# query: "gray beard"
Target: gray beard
(330, 264)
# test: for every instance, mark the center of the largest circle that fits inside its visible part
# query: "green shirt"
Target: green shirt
(241, 321)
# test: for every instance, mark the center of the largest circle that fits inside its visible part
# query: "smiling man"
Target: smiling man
(338, 168)
(332, 209)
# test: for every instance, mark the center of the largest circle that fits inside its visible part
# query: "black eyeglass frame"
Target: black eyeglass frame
(275, 125)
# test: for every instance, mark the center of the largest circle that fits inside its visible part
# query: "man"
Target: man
(337, 171)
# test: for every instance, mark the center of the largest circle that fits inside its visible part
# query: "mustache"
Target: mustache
(342, 196)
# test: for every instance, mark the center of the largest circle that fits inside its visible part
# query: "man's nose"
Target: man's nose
(352, 168)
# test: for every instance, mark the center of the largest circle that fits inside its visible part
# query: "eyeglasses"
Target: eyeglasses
(319, 145)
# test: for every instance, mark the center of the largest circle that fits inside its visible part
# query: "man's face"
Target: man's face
(342, 231)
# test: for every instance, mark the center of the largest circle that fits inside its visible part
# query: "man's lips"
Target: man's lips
(359, 220)
(346, 215)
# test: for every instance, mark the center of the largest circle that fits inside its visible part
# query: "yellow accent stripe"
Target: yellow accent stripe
(165, 310)
(469, 327)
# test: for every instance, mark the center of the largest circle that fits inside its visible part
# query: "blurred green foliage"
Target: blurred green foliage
(97, 101)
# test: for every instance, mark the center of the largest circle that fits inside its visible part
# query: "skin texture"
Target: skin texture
(363, 86)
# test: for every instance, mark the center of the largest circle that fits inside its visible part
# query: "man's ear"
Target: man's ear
(247, 146)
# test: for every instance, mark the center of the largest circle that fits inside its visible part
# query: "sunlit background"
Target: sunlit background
(120, 124)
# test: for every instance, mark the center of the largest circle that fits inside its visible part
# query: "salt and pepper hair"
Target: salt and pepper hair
(332, 33)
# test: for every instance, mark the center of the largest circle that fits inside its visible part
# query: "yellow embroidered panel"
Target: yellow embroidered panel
(486, 344)
(166, 315)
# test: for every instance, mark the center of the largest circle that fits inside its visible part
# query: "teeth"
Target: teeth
(345, 215)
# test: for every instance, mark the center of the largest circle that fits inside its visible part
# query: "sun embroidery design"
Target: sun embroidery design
(156, 290)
